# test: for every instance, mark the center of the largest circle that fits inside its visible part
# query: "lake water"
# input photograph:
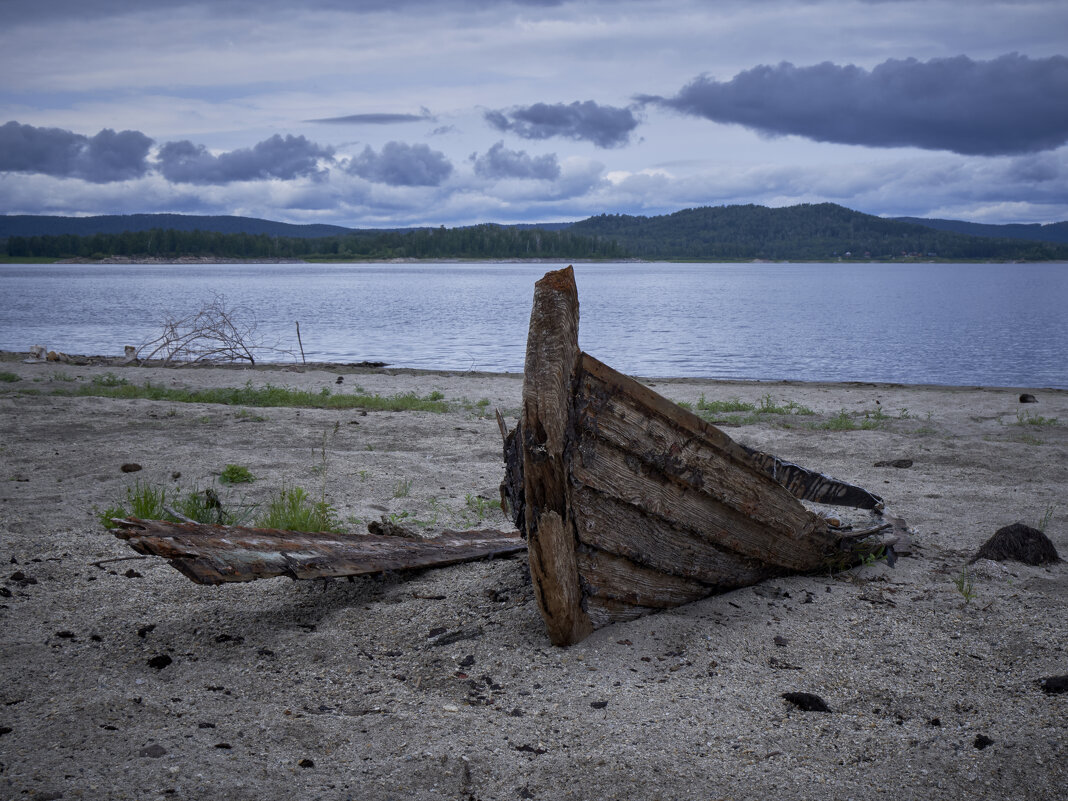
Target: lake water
(957, 324)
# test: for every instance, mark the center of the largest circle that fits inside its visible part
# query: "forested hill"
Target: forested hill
(1050, 232)
(45, 225)
(796, 233)
(723, 233)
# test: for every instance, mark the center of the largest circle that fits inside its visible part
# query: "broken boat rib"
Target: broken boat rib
(632, 504)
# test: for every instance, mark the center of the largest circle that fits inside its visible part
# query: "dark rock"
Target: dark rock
(306, 763)
(1020, 543)
(159, 662)
(224, 746)
(807, 702)
(65, 635)
(467, 661)
(22, 579)
(144, 630)
(598, 704)
(5, 730)
(131, 573)
(781, 641)
(982, 741)
(205, 725)
(130, 467)
(154, 751)
(5, 592)
(234, 638)
(898, 463)
(1027, 397)
(1055, 685)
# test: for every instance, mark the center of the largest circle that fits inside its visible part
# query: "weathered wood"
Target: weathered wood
(552, 360)
(218, 554)
(632, 504)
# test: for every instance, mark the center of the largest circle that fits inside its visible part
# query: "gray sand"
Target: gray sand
(335, 690)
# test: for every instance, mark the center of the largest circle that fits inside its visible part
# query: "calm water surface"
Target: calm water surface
(960, 324)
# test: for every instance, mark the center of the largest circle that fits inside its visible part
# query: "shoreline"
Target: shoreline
(124, 679)
(11, 357)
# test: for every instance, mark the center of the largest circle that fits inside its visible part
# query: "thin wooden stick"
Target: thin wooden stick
(305, 361)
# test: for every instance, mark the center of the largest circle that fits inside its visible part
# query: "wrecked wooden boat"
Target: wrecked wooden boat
(631, 504)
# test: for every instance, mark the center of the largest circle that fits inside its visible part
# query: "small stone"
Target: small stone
(781, 641)
(159, 662)
(901, 464)
(223, 746)
(131, 573)
(982, 741)
(205, 725)
(306, 763)
(130, 467)
(1055, 685)
(154, 751)
(144, 630)
(807, 702)
(598, 704)
(1027, 397)
(450, 708)
(65, 635)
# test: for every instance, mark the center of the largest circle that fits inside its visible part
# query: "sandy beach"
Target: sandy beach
(443, 684)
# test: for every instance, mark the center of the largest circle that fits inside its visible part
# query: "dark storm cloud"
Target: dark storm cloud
(400, 164)
(499, 162)
(106, 157)
(1009, 105)
(375, 119)
(605, 126)
(277, 157)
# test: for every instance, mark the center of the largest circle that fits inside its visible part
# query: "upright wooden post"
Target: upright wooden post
(552, 360)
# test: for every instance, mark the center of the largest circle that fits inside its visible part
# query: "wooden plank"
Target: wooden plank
(552, 359)
(602, 467)
(220, 554)
(605, 611)
(607, 576)
(631, 532)
(684, 454)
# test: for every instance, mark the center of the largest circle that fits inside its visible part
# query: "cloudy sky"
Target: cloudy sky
(375, 113)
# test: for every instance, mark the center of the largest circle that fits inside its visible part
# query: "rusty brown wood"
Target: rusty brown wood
(219, 554)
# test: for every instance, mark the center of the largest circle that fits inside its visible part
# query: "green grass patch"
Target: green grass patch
(1027, 419)
(111, 386)
(236, 474)
(8, 377)
(153, 502)
(294, 510)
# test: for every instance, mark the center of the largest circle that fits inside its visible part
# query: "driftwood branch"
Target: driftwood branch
(210, 554)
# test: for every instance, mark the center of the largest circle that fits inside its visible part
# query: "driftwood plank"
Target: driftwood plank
(219, 554)
(551, 363)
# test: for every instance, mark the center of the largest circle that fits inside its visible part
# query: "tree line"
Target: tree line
(480, 242)
(809, 232)
(798, 233)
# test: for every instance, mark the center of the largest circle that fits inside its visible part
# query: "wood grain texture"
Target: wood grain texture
(552, 360)
(210, 554)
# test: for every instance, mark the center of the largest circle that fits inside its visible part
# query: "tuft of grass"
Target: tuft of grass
(151, 502)
(403, 488)
(9, 377)
(105, 381)
(722, 406)
(1027, 419)
(1046, 518)
(965, 586)
(768, 406)
(840, 422)
(294, 510)
(236, 474)
(111, 386)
